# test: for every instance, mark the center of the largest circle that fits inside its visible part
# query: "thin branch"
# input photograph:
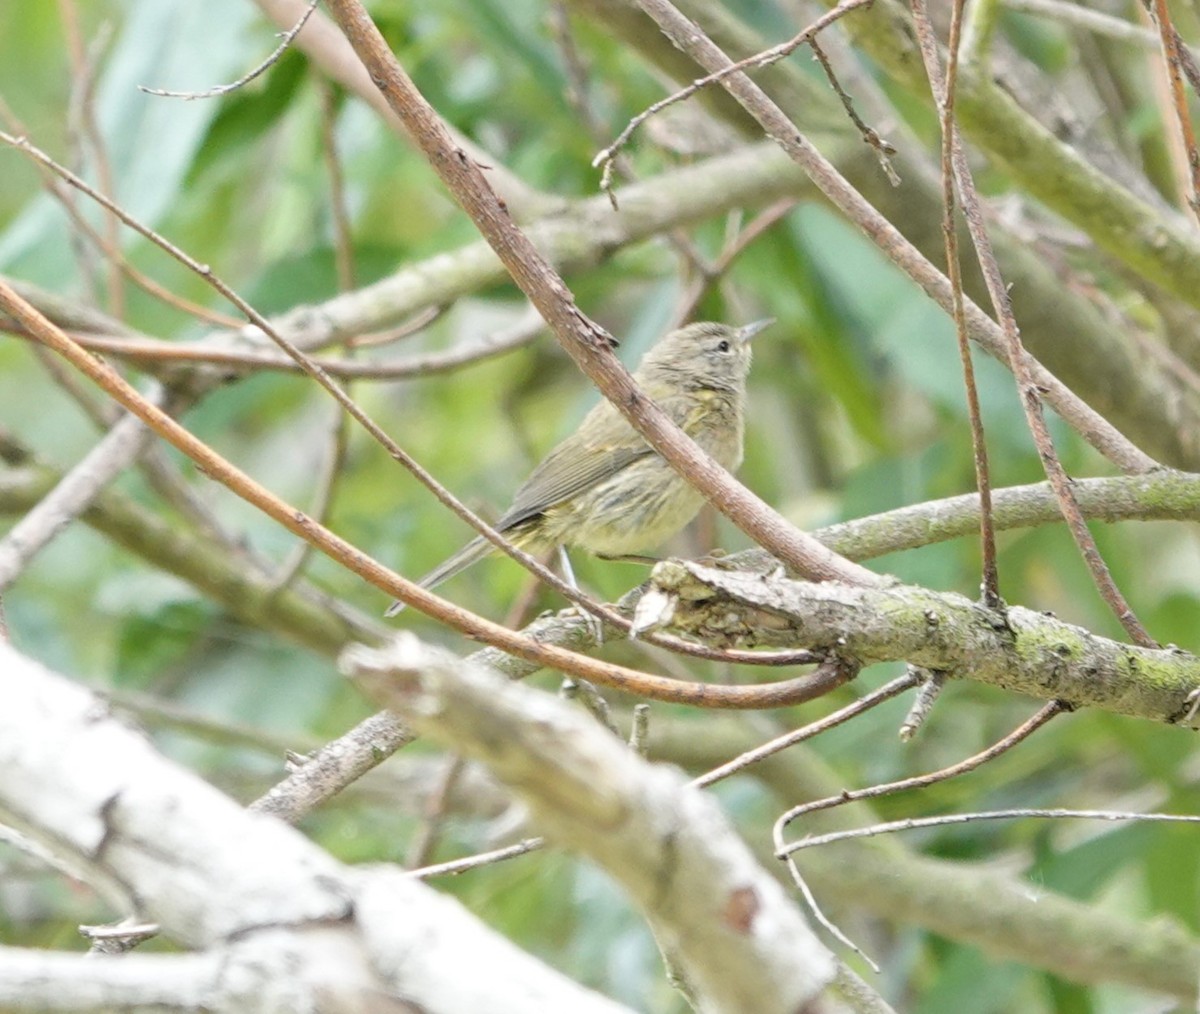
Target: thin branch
(1017, 813)
(1171, 49)
(147, 352)
(78, 488)
(604, 158)
(338, 439)
(457, 866)
(932, 685)
(943, 93)
(1001, 746)
(225, 89)
(737, 244)
(389, 336)
(883, 150)
(885, 693)
(434, 812)
(343, 242)
(82, 117)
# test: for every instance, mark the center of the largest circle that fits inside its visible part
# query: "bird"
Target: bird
(604, 488)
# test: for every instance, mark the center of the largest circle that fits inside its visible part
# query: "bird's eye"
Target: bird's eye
(723, 346)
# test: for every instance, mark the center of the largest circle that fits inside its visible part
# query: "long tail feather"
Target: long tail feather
(476, 549)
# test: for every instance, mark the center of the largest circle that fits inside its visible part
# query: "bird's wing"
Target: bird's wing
(565, 472)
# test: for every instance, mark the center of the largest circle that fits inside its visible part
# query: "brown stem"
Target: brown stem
(943, 93)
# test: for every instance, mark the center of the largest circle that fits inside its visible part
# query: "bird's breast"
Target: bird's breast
(714, 420)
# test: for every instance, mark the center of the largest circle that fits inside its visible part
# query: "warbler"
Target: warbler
(606, 490)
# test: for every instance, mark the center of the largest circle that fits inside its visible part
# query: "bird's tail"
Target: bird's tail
(476, 549)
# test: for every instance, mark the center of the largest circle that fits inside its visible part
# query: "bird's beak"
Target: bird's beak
(747, 332)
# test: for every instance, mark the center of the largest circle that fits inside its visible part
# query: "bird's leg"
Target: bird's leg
(594, 622)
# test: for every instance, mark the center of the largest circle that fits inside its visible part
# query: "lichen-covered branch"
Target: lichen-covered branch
(1013, 648)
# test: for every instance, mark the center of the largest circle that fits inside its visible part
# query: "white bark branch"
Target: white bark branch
(286, 927)
(118, 449)
(728, 927)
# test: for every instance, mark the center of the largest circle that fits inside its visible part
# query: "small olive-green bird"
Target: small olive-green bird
(604, 488)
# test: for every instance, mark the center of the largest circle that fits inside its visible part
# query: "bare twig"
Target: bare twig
(883, 150)
(338, 440)
(1001, 746)
(786, 852)
(456, 866)
(1171, 49)
(414, 325)
(1017, 813)
(343, 245)
(604, 159)
(87, 130)
(225, 89)
(425, 838)
(148, 351)
(788, 739)
(944, 97)
(933, 682)
(737, 244)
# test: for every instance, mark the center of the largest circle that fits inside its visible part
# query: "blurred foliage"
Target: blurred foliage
(857, 407)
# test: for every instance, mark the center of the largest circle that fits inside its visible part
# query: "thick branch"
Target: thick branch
(1017, 649)
(156, 838)
(740, 942)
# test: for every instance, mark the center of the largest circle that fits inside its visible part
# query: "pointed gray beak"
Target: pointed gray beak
(748, 331)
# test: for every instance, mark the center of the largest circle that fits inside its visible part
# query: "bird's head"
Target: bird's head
(704, 355)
